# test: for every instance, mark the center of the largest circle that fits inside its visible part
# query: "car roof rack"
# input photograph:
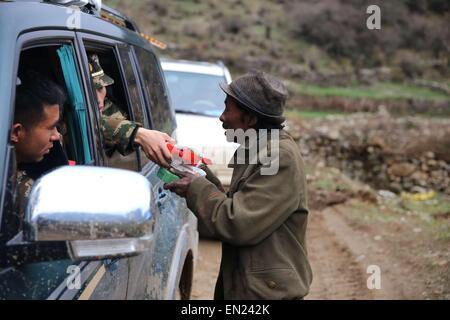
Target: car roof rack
(114, 16)
(104, 12)
(95, 7)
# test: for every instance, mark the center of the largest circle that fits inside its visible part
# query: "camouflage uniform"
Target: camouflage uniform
(24, 185)
(118, 132)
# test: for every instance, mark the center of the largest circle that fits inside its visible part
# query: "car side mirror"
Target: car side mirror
(100, 212)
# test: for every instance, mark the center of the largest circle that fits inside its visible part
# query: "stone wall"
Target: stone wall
(399, 107)
(403, 154)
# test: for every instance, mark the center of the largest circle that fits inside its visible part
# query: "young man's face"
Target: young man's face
(101, 94)
(34, 142)
(234, 118)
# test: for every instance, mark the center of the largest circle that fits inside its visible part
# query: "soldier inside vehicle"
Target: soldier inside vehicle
(120, 133)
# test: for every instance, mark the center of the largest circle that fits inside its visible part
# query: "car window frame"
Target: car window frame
(45, 38)
(88, 41)
(148, 99)
(142, 160)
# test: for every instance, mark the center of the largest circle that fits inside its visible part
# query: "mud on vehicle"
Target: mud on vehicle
(81, 239)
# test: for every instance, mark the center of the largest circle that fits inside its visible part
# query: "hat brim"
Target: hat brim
(103, 81)
(227, 89)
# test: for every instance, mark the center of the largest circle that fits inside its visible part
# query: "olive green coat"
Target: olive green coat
(261, 222)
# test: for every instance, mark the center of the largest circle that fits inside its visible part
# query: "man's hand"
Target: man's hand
(153, 144)
(180, 187)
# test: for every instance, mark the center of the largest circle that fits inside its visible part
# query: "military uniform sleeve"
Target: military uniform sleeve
(259, 207)
(24, 185)
(118, 132)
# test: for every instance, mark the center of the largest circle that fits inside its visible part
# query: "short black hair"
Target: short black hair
(32, 96)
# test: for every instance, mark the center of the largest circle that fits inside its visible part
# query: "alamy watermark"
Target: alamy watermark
(257, 148)
(74, 19)
(373, 22)
(374, 280)
(73, 281)
(74, 12)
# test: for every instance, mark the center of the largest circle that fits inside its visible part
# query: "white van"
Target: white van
(198, 102)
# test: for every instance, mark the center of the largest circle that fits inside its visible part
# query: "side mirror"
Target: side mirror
(100, 212)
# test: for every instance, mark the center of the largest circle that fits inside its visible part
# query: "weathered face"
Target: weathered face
(235, 118)
(34, 142)
(101, 94)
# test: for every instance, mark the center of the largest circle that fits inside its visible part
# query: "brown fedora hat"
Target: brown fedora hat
(261, 93)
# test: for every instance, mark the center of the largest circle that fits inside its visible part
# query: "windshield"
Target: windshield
(196, 93)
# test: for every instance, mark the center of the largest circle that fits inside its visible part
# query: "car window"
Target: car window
(38, 280)
(162, 117)
(49, 62)
(116, 117)
(134, 93)
(195, 92)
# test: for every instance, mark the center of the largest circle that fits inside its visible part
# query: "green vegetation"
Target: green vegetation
(192, 7)
(310, 39)
(330, 179)
(366, 213)
(310, 114)
(386, 90)
(435, 207)
(432, 215)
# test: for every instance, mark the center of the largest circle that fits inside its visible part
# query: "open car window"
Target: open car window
(116, 118)
(37, 280)
(57, 63)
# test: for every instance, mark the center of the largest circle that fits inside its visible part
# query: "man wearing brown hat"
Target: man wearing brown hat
(119, 133)
(262, 219)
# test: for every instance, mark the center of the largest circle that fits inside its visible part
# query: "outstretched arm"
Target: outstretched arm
(153, 143)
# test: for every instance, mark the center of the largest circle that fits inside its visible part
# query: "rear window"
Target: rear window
(196, 92)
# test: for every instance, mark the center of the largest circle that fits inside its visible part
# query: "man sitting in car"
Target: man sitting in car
(120, 133)
(34, 131)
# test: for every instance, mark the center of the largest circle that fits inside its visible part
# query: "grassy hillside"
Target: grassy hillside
(321, 46)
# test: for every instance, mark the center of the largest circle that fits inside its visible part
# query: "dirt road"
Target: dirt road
(341, 251)
(206, 270)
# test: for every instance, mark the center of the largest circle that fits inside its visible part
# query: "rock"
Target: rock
(442, 263)
(396, 187)
(417, 189)
(376, 141)
(358, 164)
(432, 163)
(406, 152)
(404, 169)
(383, 111)
(419, 176)
(407, 185)
(367, 195)
(437, 174)
(430, 155)
(386, 194)
(444, 165)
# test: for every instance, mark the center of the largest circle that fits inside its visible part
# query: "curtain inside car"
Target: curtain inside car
(77, 118)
